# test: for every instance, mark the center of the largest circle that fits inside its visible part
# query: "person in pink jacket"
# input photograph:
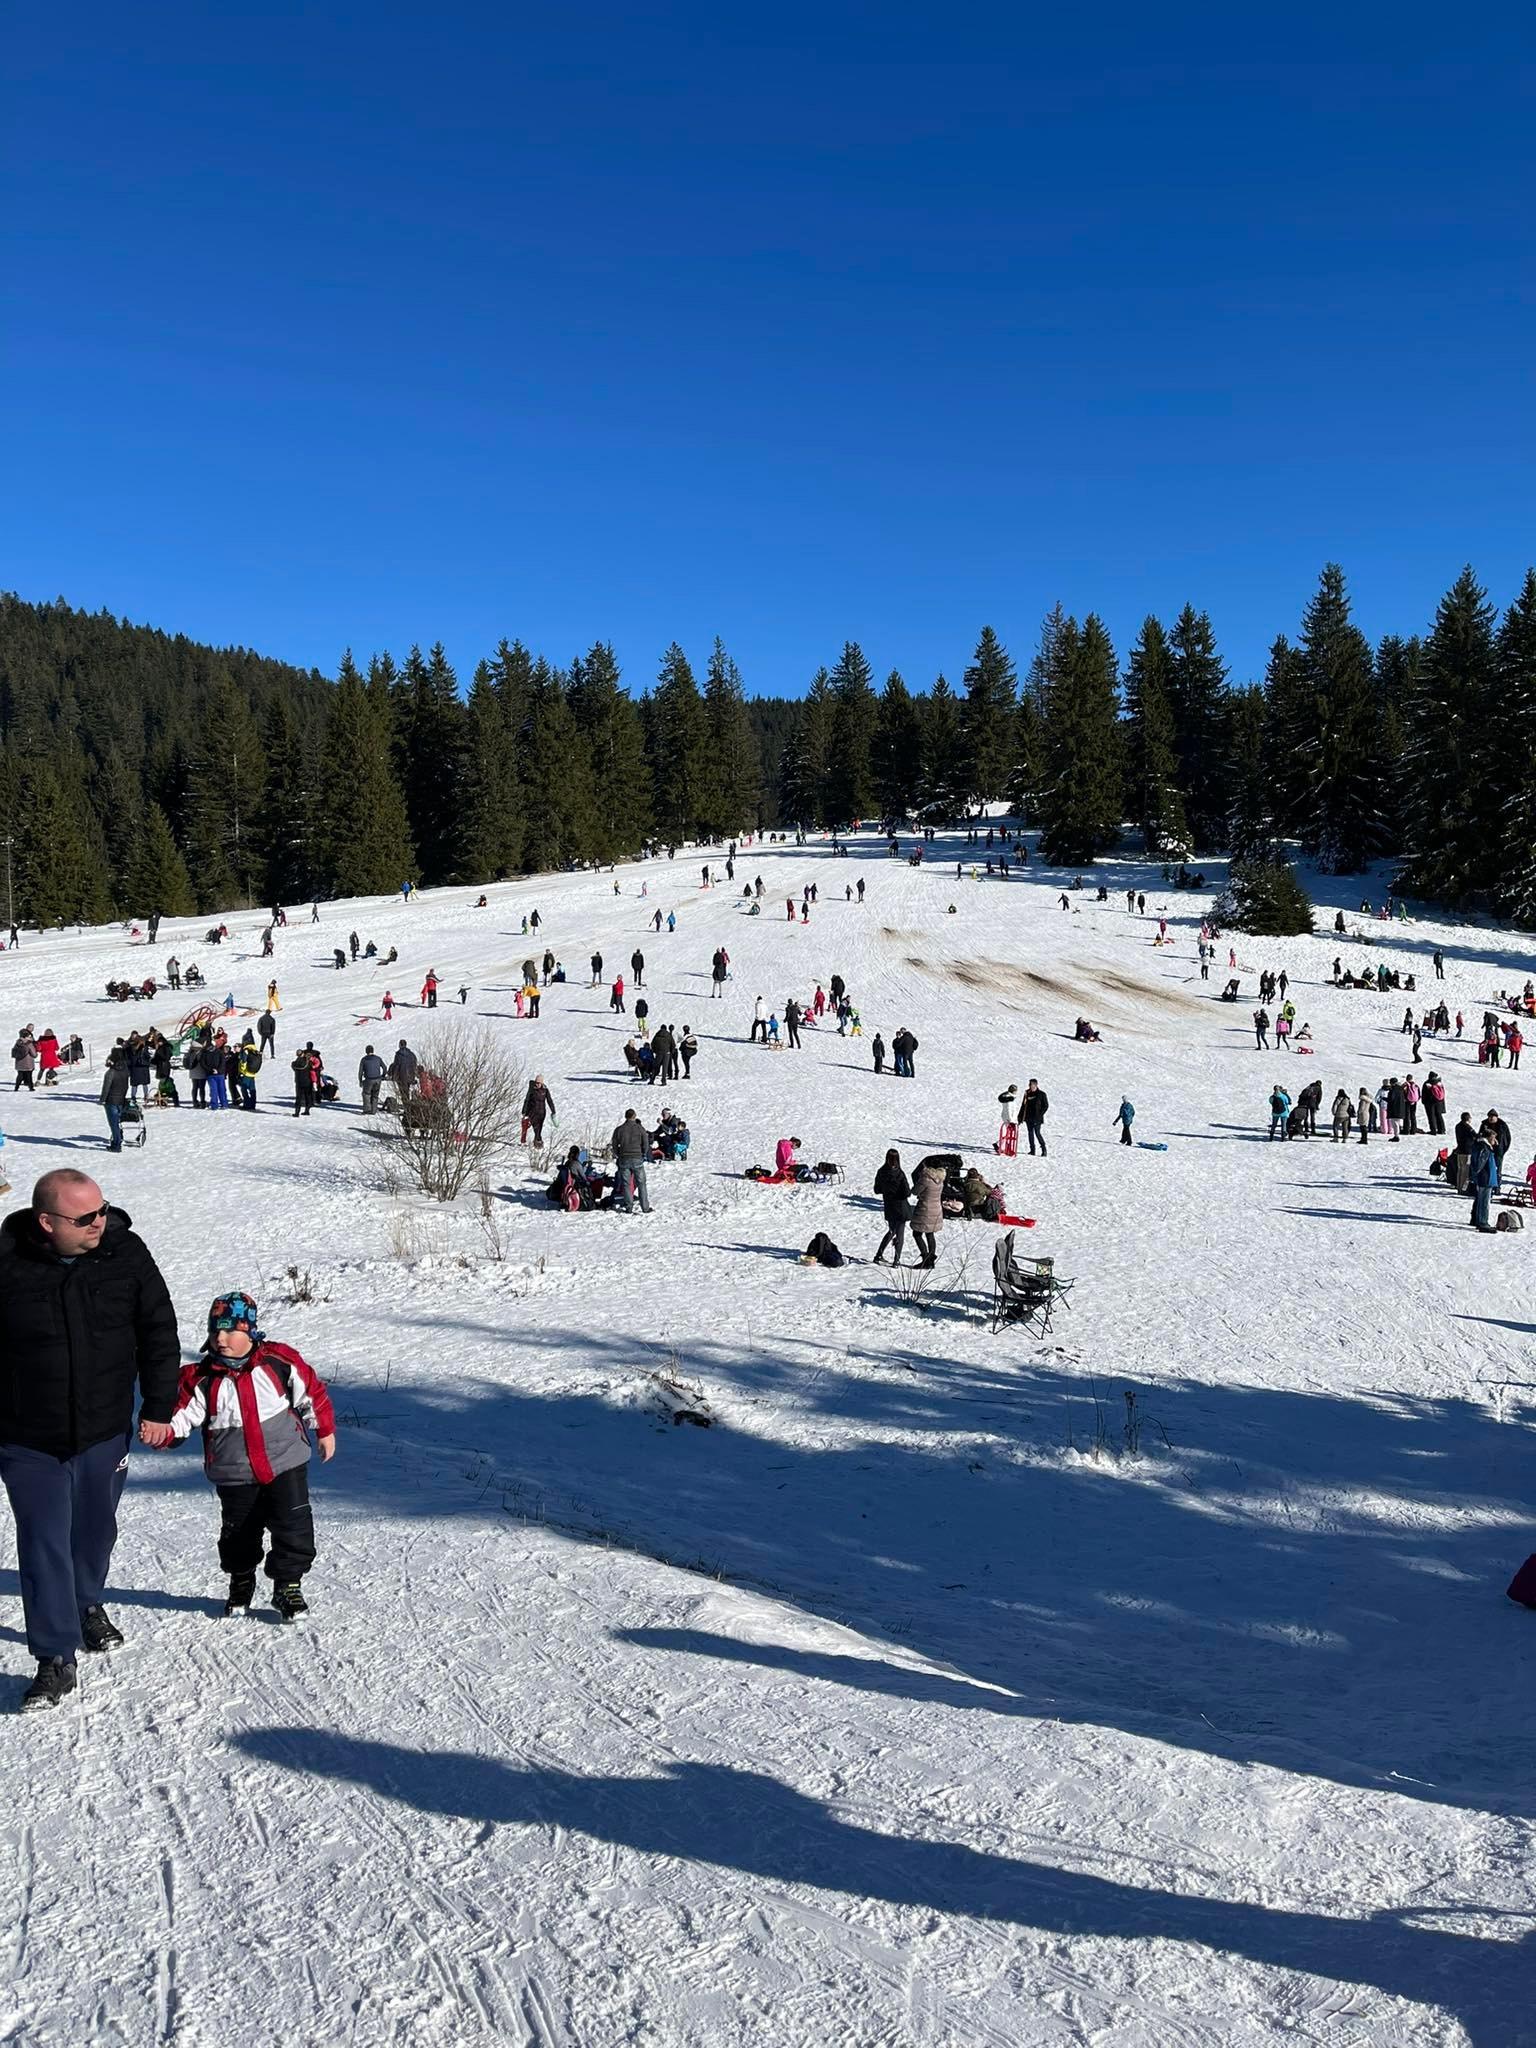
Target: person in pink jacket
(784, 1155)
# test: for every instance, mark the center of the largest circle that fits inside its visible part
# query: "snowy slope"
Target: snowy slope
(897, 1708)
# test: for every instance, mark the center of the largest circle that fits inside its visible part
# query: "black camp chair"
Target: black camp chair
(1024, 1291)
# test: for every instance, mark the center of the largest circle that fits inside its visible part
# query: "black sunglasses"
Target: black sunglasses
(90, 1215)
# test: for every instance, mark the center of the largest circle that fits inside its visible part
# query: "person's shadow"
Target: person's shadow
(748, 1821)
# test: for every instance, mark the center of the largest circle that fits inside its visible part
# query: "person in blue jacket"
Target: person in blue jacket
(1484, 1178)
(1125, 1116)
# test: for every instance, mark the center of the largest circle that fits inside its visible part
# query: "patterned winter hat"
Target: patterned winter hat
(233, 1312)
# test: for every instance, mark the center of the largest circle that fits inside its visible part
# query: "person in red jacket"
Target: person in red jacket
(256, 1403)
(429, 990)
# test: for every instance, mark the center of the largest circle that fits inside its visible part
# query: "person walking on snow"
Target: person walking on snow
(637, 967)
(1125, 1116)
(371, 1072)
(616, 996)
(257, 1404)
(538, 1104)
(85, 1320)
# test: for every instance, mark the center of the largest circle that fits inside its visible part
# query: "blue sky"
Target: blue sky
(359, 325)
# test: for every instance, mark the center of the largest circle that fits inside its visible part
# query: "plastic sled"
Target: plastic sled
(1149, 1145)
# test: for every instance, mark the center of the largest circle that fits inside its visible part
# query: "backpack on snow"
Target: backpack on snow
(821, 1251)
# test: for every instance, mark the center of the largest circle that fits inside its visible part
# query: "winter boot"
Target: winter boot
(98, 1631)
(290, 1602)
(242, 1591)
(55, 1678)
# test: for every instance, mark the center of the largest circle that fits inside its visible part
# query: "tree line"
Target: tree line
(140, 770)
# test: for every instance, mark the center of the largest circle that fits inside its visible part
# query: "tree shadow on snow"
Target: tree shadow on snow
(747, 1821)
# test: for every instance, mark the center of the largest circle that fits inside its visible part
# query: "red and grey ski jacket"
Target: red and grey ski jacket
(253, 1413)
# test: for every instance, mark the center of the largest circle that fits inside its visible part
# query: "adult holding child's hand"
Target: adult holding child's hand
(85, 1321)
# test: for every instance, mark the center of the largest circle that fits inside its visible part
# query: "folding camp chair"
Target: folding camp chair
(1019, 1293)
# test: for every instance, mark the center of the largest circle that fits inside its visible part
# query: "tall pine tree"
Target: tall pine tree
(1342, 824)
(807, 757)
(288, 825)
(1515, 688)
(364, 834)
(733, 745)
(429, 740)
(1081, 796)
(1198, 690)
(942, 787)
(895, 759)
(559, 807)
(490, 812)
(1452, 739)
(855, 715)
(156, 882)
(683, 772)
(989, 719)
(1152, 766)
(621, 777)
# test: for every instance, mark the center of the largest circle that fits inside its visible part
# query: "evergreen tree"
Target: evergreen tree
(1265, 898)
(1453, 738)
(364, 834)
(1514, 664)
(224, 785)
(156, 879)
(1251, 826)
(803, 779)
(621, 778)
(1290, 739)
(287, 830)
(850, 783)
(732, 744)
(58, 868)
(1342, 825)
(989, 719)
(429, 743)
(1152, 766)
(895, 758)
(1396, 679)
(117, 801)
(1198, 690)
(942, 784)
(490, 815)
(1080, 798)
(684, 775)
(559, 809)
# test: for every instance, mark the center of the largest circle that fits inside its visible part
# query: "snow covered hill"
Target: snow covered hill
(902, 1707)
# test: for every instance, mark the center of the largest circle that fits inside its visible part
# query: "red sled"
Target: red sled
(1008, 1141)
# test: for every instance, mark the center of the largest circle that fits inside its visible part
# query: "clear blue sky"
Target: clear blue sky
(364, 324)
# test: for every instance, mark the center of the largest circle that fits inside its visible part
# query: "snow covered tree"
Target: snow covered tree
(1081, 792)
(1152, 766)
(1198, 690)
(1264, 897)
(895, 756)
(987, 720)
(733, 744)
(850, 783)
(1452, 738)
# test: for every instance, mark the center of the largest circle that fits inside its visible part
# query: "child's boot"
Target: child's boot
(242, 1591)
(290, 1602)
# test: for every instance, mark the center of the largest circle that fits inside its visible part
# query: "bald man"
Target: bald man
(85, 1318)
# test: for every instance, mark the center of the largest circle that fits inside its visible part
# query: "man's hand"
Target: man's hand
(327, 1448)
(159, 1435)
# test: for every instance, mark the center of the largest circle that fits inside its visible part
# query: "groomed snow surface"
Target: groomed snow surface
(901, 1706)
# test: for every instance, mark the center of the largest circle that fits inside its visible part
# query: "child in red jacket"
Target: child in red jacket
(256, 1403)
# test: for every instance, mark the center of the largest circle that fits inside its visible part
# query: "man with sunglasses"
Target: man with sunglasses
(85, 1318)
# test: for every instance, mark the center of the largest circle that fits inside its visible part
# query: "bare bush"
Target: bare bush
(465, 1112)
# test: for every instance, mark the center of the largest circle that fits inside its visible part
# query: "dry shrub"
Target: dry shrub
(448, 1133)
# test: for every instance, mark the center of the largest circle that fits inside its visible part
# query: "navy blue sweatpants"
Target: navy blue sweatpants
(66, 1525)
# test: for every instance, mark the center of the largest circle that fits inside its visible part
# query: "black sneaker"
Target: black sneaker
(98, 1631)
(242, 1591)
(290, 1602)
(55, 1678)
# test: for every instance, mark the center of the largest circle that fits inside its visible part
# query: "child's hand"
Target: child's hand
(159, 1435)
(327, 1448)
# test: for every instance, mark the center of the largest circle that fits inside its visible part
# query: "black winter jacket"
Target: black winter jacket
(74, 1338)
(895, 1192)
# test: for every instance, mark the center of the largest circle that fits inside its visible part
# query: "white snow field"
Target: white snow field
(901, 1708)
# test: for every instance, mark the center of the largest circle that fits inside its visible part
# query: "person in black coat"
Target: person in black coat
(1032, 1115)
(85, 1318)
(895, 1192)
